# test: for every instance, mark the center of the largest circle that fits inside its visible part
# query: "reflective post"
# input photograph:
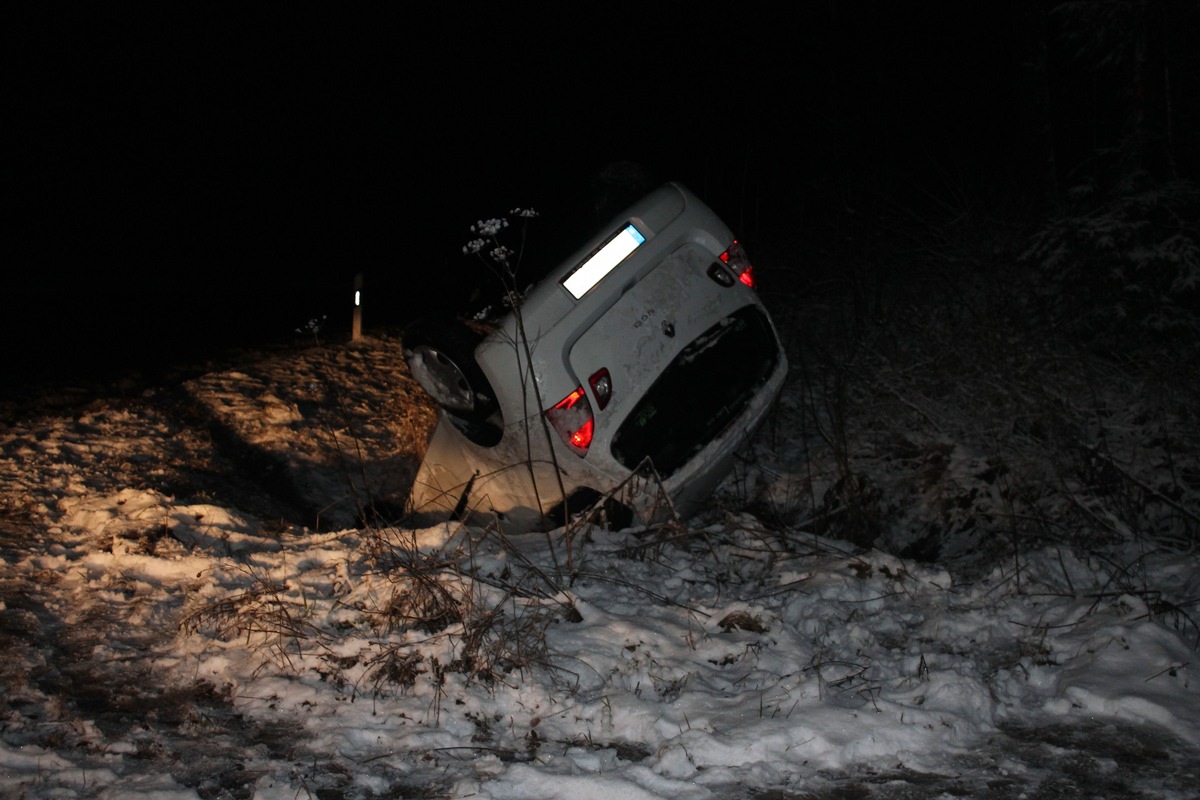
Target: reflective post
(356, 325)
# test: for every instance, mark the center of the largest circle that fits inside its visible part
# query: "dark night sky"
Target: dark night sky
(194, 180)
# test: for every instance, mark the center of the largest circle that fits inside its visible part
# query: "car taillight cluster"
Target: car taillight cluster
(572, 416)
(732, 265)
(601, 383)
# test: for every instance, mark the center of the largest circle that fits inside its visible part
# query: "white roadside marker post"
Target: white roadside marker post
(356, 325)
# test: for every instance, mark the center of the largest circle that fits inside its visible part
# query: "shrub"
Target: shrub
(1127, 265)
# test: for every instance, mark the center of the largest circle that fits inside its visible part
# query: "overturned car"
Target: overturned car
(629, 374)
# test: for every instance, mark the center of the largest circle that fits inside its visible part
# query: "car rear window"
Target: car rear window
(702, 391)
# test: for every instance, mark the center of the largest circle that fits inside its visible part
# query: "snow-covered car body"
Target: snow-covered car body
(647, 351)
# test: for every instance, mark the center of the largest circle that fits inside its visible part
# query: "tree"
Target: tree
(1123, 86)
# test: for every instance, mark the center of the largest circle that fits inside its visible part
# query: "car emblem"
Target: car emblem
(668, 328)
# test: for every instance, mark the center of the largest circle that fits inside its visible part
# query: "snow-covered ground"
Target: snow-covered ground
(171, 631)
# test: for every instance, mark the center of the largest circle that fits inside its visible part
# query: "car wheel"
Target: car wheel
(441, 356)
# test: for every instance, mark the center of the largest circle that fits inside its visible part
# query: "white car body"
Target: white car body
(692, 361)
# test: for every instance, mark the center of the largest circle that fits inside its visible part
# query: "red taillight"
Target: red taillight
(738, 262)
(572, 418)
(581, 439)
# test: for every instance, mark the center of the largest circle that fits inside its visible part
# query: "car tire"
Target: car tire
(441, 356)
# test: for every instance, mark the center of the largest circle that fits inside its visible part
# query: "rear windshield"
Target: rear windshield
(703, 390)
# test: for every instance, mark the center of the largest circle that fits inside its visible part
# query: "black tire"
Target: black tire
(441, 356)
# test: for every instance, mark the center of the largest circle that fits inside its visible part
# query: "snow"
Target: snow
(167, 637)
